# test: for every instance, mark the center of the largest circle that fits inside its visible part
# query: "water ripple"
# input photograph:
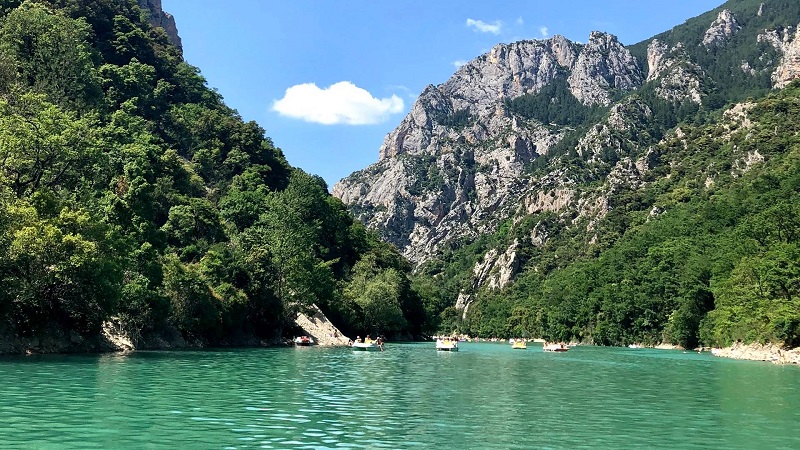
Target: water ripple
(410, 396)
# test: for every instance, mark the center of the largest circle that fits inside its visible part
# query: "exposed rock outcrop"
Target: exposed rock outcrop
(317, 325)
(162, 19)
(721, 29)
(453, 167)
(603, 65)
(495, 270)
(609, 135)
(787, 43)
(678, 78)
(759, 352)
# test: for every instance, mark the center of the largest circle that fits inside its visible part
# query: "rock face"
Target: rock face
(677, 77)
(721, 29)
(159, 18)
(316, 325)
(787, 43)
(440, 179)
(603, 65)
(465, 161)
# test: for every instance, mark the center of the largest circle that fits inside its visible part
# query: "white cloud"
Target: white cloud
(341, 103)
(544, 31)
(484, 27)
(520, 22)
(459, 63)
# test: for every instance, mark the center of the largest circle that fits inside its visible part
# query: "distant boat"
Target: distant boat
(519, 345)
(371, 346)
(447, 345)
(559, 347)
(303, 341)
(634, 346)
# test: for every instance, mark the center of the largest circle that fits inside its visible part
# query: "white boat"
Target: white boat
(447, 345)
(366, 346)
(555, 347)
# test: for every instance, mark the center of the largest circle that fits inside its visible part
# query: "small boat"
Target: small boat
(558, 347)
(303, 341)
(371, 346)
(447, 345)
(519, 345)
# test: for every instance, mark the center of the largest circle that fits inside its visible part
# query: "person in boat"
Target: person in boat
(368, 339)
(358, 339)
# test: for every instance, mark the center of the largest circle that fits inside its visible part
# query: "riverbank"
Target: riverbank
(114, 339)
(111, 339)
(759, 352)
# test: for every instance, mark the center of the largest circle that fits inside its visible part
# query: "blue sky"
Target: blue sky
(328, 79)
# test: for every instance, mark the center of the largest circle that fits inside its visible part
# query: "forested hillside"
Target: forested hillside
(129, 193)
(706, 252)
(602, 193)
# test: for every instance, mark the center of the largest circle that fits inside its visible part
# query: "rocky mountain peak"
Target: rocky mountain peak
(508, 71)
(476, 90)
(473, 151)
(414, 133)
(161, 19)
(721, 29)
(603, 64)
(453, 166)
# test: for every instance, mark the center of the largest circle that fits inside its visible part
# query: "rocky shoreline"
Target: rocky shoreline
(113, 339)
(760, 352)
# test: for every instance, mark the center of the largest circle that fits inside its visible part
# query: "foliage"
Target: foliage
(702, 253)
(130, 193)
(554, 104)
(717, 263)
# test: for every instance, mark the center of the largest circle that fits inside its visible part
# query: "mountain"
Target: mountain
(541, 158)
(138, 210)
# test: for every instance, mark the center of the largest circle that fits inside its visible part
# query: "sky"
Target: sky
(328, 79)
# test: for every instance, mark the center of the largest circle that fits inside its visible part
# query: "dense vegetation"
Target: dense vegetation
(554, 104)
(725, 80)
(130, 193)
(706, 253)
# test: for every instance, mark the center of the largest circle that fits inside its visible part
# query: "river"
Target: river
(486, 396)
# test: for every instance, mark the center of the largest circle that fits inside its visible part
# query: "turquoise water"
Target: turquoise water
(485, 396)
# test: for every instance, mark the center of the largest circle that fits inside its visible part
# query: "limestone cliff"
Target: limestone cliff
(604, 66)
(721, 29)
(162, 19)
(440, 179)
(787, 42)
(677, 77)
(463, 161)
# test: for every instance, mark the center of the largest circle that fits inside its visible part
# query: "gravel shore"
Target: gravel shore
(760, 352)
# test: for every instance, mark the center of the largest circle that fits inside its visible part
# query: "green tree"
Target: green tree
(50, 54)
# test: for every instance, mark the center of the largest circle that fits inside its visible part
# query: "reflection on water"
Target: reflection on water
(485, 396)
